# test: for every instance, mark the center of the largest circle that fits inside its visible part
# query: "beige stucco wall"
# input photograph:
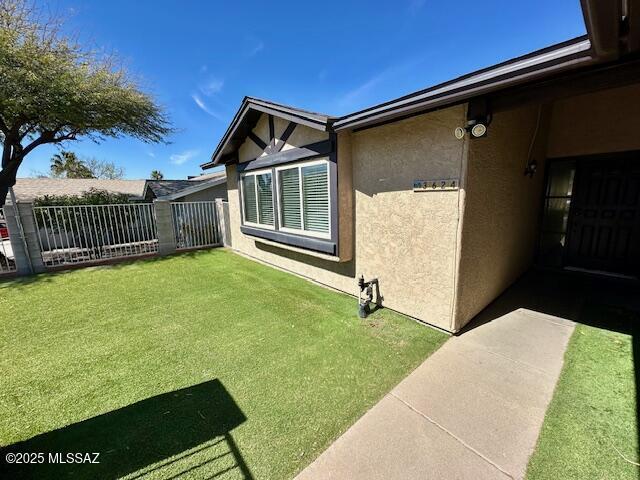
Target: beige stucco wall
(501, 209)
(407, 239)
(404, 238)
(605, 121)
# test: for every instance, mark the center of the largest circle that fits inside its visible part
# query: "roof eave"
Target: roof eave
(302, 117)
(570, 55)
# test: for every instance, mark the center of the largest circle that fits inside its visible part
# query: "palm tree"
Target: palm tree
(156, 175)
(68, 165)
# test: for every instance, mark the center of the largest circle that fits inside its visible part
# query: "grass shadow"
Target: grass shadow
(175, 432)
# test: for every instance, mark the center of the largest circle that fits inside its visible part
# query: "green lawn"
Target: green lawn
(592, 420)
(196, 365)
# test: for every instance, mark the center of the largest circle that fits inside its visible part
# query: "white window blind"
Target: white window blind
(315, 194)
(304, 198)
(290, 198)
(265, 199)
(249, 194)
(257, 197)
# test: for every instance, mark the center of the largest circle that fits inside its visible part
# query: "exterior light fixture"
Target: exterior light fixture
(479, 130)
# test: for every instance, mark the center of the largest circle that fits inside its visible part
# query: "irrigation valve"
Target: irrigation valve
(365, 297)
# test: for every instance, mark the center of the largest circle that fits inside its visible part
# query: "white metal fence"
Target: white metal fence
(7, 260)
(194, 224)
(88, 233)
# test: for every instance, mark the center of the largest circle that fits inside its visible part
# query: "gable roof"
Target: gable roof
(162, 188)
(247, 117)
(173, 189)
(565, 55)
(26, 189)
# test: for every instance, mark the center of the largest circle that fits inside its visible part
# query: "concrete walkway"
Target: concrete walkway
(473, 410)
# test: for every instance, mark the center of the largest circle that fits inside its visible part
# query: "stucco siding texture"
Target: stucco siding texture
(601, 122)
(501, 210)
(404, 238)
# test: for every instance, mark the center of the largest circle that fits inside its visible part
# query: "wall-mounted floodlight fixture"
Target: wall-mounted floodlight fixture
(479, 130)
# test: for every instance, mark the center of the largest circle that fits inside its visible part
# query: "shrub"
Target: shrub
(91, 197)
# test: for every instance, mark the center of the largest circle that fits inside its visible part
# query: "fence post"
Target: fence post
(223, 227)
(164, 225)
(30, 260)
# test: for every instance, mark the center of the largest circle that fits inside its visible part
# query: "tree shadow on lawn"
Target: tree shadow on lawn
(193, 425)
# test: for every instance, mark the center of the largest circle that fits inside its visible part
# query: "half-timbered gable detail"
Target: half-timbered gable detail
(284, 162)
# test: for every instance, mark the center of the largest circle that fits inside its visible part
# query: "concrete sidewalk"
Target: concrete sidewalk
(473, 410)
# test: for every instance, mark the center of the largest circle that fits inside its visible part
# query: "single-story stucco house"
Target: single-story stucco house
(195, 189)
(448, 195)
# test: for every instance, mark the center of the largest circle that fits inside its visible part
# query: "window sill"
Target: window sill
(316, 247)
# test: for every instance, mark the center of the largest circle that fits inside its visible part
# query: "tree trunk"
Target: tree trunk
(9, 172)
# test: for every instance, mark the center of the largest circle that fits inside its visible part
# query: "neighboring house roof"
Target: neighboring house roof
(208, 176)
(162, 188)
(247, 116)
(174, 189)
(26, 189)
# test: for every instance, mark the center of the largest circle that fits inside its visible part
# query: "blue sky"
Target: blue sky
(200, 58)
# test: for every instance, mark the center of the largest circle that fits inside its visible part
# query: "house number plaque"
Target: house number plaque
(435, 185)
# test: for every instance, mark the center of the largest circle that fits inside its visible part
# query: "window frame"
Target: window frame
(255, 173)
(322, 151)
(299, 166)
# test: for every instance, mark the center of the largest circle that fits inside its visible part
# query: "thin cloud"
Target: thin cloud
(257, 49)
(203, 106)
(184, 157)
(356, 94)
(151, 154)
(364, 92)
(212, 87)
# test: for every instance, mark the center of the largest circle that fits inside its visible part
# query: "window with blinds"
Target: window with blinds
(265, 199)
(249, 198)
(304, 198)
(293, 199)
(315, 195)
(257, 197)
(291, 214)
